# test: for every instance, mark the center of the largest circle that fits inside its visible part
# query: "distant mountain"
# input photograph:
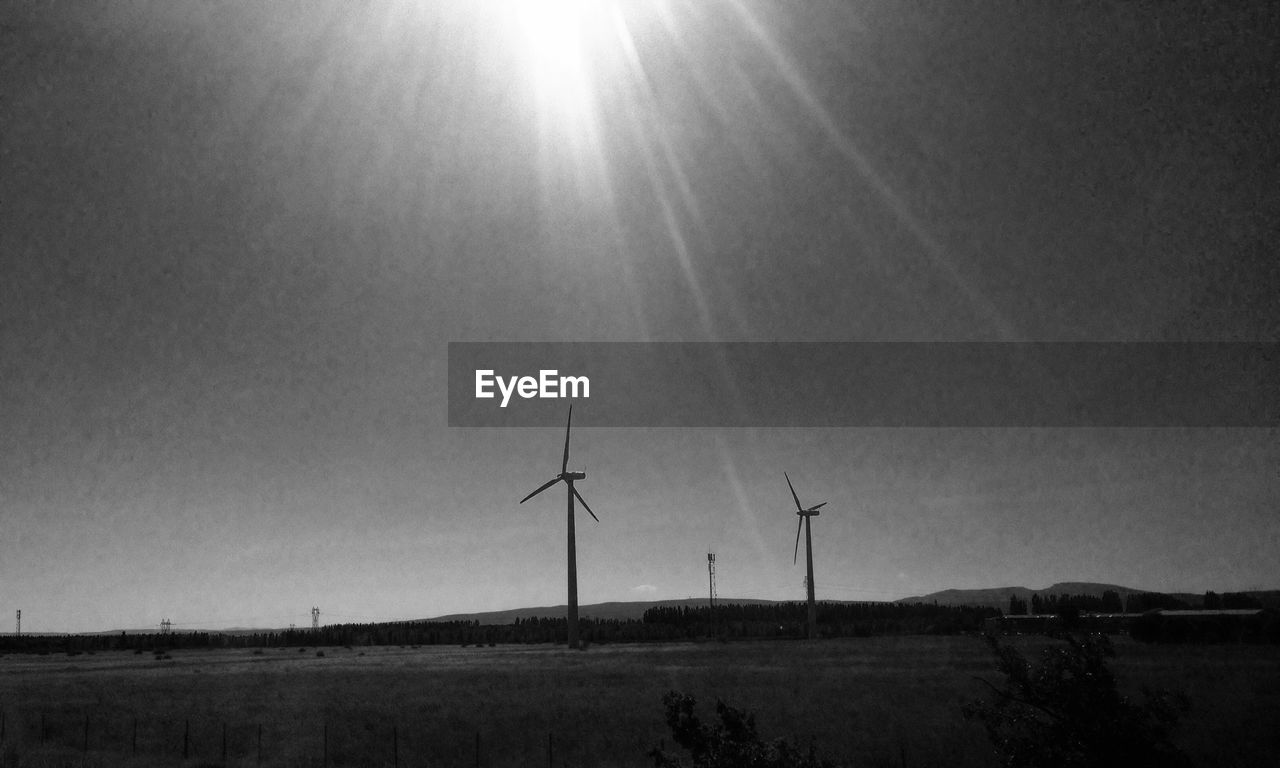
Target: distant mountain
(998, 597)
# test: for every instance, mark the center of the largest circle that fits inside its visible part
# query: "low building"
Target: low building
(1194, 626)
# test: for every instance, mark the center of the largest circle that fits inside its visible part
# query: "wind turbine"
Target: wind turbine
(569, 478)
(805, 516)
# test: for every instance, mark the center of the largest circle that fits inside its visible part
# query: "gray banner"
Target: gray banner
(854, 384)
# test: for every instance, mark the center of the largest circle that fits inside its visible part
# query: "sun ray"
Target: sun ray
(822, 117)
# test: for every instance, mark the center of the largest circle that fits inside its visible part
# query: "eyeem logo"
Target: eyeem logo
(549, 385)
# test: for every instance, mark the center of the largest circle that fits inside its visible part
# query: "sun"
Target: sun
(558, 39)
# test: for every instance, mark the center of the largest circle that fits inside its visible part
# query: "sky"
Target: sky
(236, 239)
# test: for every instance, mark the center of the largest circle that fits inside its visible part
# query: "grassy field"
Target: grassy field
(866, 702)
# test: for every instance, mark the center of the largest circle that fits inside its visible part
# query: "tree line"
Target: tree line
(728, 621)
(1135, 602)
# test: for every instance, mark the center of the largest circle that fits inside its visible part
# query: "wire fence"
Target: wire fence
(96, 738)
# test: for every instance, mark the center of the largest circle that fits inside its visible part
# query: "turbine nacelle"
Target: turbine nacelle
(566, 476)
(802, 513)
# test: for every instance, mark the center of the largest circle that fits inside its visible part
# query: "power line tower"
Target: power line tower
(711, 581)
(18, 631)
(315, 618)
(166, 626)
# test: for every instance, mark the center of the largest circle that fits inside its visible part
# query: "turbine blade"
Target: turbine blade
(584, 503)
(564, 465)
(818, 506)
(796, 557)
(793, 493)
(541, 488)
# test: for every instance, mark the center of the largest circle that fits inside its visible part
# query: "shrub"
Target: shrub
(733, 743)
(1066, 712)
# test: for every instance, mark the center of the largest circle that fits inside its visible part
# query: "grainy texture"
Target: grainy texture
(874, 701)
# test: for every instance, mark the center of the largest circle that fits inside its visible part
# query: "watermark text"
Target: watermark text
(548, 385)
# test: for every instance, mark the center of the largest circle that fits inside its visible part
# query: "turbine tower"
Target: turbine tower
(805, 516)
(568, 478)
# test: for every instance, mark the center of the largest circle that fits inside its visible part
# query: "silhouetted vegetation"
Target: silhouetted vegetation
(734, 742)
(1141, 602)
(732, 621)
(834, 619)
(1109, 602)
(1066, 711)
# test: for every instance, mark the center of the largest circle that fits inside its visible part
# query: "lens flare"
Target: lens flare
(557, 36)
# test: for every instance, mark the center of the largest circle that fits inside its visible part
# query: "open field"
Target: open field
(873, 701)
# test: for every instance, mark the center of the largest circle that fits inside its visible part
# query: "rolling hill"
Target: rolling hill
(998, 597)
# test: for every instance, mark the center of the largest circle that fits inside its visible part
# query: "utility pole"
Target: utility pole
(18, 631)
(315, 618)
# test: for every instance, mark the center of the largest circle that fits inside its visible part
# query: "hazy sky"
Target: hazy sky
(236, 238)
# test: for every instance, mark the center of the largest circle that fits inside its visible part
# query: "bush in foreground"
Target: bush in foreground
(731, 743)
(1066, 711)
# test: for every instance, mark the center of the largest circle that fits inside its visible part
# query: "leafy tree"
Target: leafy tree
(1066, 711)
(1239, 600)
(1141, 602)
(732, 743)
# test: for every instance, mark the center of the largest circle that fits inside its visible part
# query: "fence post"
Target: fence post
(186, 738)
(1, 726)
(477, 749)
(43, 729)
(135, 735)
(395, 748)
(86, 734)
(324, 755)
(549, 760)
(259, 743)
(224, 743)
